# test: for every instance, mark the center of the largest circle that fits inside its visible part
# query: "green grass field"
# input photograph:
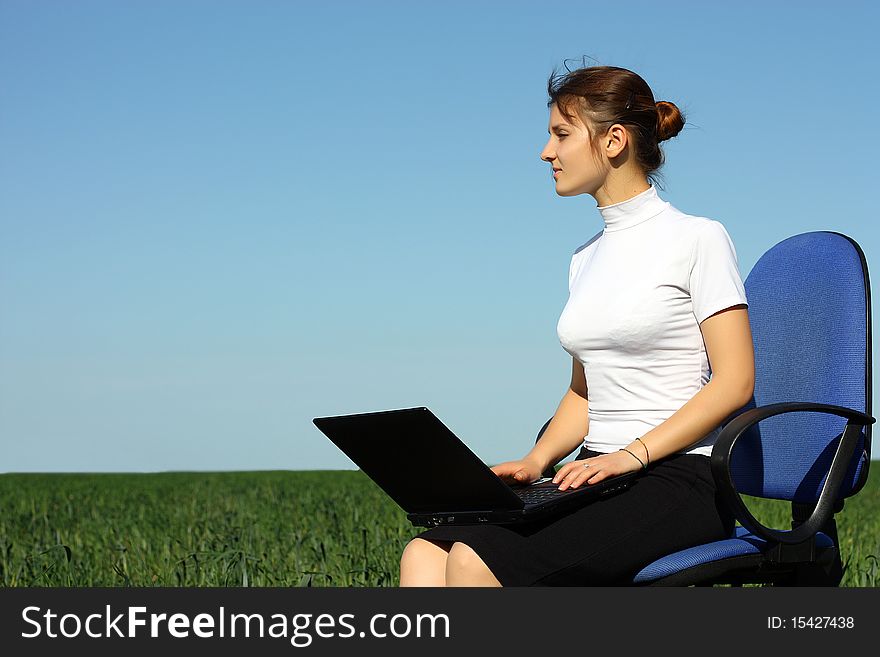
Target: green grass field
(321, 528)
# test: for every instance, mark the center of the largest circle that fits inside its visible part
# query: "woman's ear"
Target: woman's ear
(615, 140)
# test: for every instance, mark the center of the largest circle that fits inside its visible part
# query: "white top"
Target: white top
(637, 294)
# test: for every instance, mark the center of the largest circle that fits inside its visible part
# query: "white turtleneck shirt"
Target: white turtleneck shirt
(638, 292)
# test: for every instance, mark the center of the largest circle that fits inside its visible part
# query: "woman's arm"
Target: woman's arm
(728, 339)
(570, 423)
(565, 432)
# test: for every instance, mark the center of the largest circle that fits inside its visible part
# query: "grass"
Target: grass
(318, 528)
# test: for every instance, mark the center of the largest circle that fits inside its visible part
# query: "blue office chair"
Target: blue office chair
(806, 435)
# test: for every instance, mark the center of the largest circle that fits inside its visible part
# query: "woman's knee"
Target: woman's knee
(423, 563)
(419, 549)
(465, 567)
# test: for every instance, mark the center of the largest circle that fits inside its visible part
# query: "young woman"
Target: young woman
(656, 304)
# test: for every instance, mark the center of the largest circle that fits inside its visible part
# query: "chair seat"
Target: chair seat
(742, 543)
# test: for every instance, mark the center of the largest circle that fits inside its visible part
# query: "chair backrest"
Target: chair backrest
(810, 314)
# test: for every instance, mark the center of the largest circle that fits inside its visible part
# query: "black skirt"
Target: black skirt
(671, 506)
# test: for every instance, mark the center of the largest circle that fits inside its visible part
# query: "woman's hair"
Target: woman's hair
(604, 95)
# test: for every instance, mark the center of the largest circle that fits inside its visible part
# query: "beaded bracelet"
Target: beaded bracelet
(624, 449)
(647, 453)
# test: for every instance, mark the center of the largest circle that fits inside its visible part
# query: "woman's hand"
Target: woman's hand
(523, 471)
(594, 470)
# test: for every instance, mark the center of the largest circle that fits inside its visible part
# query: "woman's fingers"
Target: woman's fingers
(514, 471)
(508, 467)
(573, 474)
(586, 476)
(562, 472)
(503, 470)
(573, 467)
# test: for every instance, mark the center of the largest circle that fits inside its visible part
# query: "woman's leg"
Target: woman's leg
(464, 567)
(423, 563)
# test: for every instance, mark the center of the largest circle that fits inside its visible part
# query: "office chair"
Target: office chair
(805, 436)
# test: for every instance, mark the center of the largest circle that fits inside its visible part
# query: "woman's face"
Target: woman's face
(575, 168)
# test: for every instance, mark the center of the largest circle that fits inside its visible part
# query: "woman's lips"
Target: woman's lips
(555, 174)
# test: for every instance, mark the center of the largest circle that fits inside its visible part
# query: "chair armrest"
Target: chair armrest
(723, 449)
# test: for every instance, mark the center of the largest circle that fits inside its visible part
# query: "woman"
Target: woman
(655, 298)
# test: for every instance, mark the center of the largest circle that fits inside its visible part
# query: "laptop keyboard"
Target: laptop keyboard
(540, 493)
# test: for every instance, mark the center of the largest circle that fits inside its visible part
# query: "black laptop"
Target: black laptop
(437, 480)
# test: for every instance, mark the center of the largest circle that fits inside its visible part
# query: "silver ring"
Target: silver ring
(586, 465)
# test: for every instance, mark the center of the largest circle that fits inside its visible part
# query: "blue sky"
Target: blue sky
(219, 220)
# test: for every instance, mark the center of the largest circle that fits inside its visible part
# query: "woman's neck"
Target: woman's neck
(616, 190)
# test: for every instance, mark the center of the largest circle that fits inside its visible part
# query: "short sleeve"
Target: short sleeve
(714, 279)
(577, 259)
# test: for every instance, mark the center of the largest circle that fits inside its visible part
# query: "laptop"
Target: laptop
(433, 476)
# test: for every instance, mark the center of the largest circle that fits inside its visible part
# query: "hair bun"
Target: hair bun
(670, 120)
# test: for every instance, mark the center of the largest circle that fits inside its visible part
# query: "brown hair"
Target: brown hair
(604, 95)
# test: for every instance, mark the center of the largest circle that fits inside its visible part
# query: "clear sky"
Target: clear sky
(219, 220)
